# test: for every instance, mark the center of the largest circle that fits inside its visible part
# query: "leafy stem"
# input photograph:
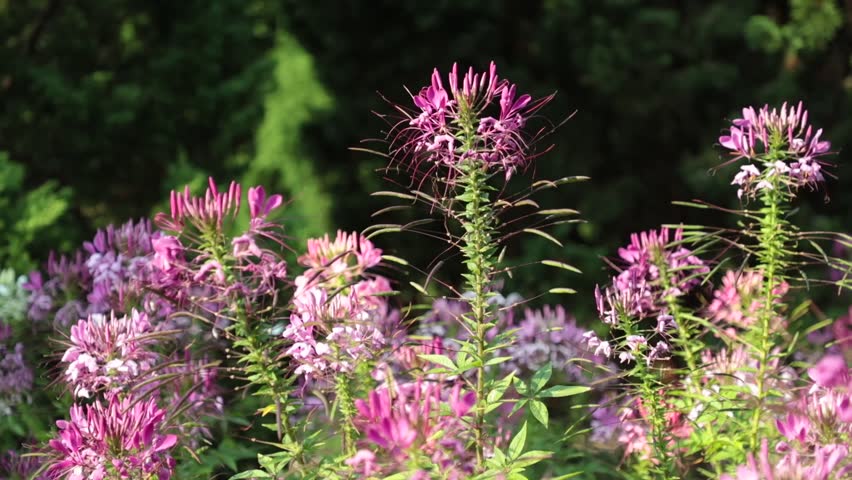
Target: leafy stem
(772, 240)
(478, 248)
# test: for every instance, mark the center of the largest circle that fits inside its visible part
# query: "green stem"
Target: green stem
(261, 369)
(652, 401)
(772, 241)
(478, 249)
(347, 408)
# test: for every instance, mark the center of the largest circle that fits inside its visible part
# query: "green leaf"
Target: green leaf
(441, 360)
(419, 288)
(251, 474)
(539, 411)
(403, 196)
(564, 266)
(518, 405)
(559, 211)
(398, 260)
(540, 378)
(516, 446)
(559, 391)
(562, 290)
(531, 458)
(496, 360)
(543, 235)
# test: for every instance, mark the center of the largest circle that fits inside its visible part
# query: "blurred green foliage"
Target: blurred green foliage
(28, 217)
(117, 102)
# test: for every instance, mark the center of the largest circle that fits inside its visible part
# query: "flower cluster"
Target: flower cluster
(16, 377)
(626, 424)
(338, 310)
(15, 466)
(122, 439)
(783, 141)
(414, 421)
(550, 334)
(449, 127)
(62, 293)
(107, 353)
(736, 303)
(737, 366)
(201, 268)
(656, 266)
(111, 272)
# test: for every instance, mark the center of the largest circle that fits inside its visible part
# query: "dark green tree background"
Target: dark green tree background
(111, 103)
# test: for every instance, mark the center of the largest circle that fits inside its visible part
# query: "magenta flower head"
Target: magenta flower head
(415, 421)
(168, 252)
(259, 204)
(205, 213)
(124, 439)
(736, 303)
(783, 142)
(830, 372)
(655, 265)
(481, 118)
(347, 257)
(108, 353)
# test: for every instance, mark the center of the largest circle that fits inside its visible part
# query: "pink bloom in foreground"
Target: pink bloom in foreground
(408, 422)
(122, 439)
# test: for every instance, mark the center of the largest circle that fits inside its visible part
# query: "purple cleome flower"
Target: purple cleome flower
(481, 119)
(550, 335)
(108, 353)
(783, 141)
(16, 377)
(638, 290)
(736, 303)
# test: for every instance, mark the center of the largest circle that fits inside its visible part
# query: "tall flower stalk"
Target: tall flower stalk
(788, 151)
(235, 281)
(458, 140)
(479, 250)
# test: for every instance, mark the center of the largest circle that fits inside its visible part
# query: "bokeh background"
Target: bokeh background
(108, 104)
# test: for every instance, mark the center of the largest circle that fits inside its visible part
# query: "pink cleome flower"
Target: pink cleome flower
(783, 141)
(415, 420)
(482, 118)
(107, 353)
(120, 440)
